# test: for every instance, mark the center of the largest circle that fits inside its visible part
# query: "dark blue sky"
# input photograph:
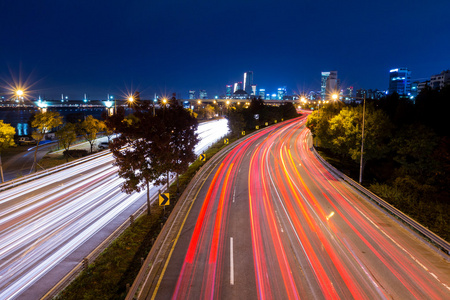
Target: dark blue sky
(99, 47)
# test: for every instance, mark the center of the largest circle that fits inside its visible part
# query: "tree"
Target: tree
(206, 113)
(44, 122)
(89, 129)
(236, 121)
(183, 138)
(156, 144)
(7, 133)
(346, 130)
(66, 136)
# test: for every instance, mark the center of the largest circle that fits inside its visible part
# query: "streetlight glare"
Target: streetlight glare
(131, 99)
(19, 92)
(334, 97)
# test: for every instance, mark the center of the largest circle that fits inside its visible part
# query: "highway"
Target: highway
(49, 224)
(271, 222)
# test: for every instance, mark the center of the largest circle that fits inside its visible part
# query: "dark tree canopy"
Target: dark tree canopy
(149, 146)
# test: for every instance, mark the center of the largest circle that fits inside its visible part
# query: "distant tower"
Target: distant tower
(253, 93)
(281, 93)
(400, 81)
(229, 91)
(248, 81)
(237, 86)
(191, 94)
(262, 93)
(323, 84)
(203, 94)
(350, 92)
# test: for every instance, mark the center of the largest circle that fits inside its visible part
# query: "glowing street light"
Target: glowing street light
(131, 99)
(334, 97)
(19, 93)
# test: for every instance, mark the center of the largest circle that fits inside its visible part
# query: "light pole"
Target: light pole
(362, 142)
(130, 100)
(335, 97)
(19, 93)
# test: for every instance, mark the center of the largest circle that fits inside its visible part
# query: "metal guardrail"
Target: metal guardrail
(431, 237)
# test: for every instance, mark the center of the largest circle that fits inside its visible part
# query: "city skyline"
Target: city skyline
(175, 46)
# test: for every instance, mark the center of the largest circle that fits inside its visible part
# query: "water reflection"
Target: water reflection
(22, 129)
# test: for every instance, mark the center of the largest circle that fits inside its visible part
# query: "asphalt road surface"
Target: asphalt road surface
(48, 225)
(270, 222)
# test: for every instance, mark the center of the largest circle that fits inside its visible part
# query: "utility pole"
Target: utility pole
(362, 142)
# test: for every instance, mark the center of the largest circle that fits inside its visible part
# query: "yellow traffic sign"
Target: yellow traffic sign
(282, 119)
(257, 127)
(164, 199)
(267, 123)
(226, 141)
(275, 121)
(203, 157)
(243, 132)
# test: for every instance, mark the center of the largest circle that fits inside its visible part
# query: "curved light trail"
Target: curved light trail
(272, 222)
(45, 220)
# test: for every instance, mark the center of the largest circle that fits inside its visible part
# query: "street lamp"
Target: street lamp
(130, 100)
(335, 97)
(19, 93)
(362, 142)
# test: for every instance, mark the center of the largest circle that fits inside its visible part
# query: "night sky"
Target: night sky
(99, 47)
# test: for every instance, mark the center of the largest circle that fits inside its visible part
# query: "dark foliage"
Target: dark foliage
(149, 145)
(75, 153)
(414, 174)
(258, 114)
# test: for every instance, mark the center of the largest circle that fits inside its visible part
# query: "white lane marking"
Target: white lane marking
(231, 262)
(234, 194)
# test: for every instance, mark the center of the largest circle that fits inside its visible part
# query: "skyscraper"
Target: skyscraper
(203, 94)
(253, 93)
(229, 91)
(262, 93)
(323, 84)
(237, 86)
(400, 81)
(248, 81)
(281, 93)
(329, 84)
(191, 94)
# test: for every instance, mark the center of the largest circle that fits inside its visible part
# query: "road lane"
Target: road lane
(296, 232)
(48, 225)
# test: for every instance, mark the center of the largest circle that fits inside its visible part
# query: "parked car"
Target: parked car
(25, 140)
(103, 145)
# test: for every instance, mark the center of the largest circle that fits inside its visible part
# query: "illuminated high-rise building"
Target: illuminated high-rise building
(350, 92)
(253, 93)
(329, 84)
(323, 84)
(400, 81)
(237, 87)
(281, 93)
(203, 94)
(248, 82)
(191, 94)
(262, 93)
(229, 91)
